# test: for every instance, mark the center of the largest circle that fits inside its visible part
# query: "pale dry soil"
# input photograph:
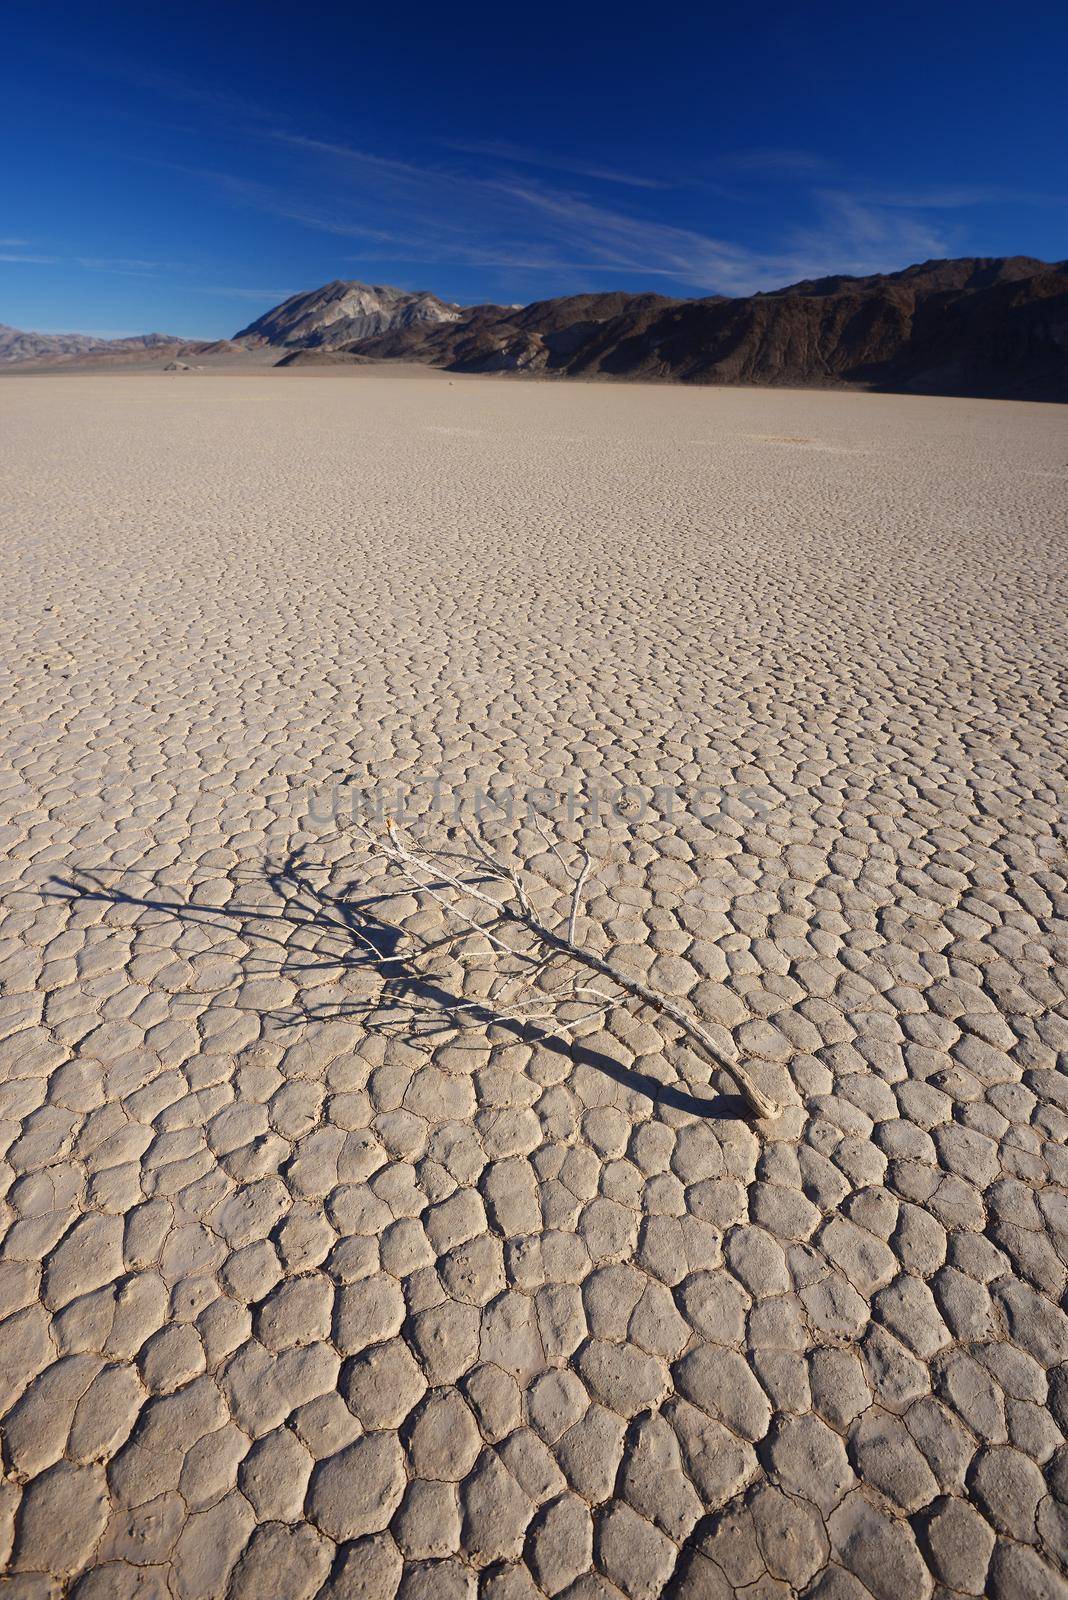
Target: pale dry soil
(305, 1295)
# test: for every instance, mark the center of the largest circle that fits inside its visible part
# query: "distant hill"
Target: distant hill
(150, 352)
(324, 358)
(343, 311)
(993, 326)
(36, 351)
(18, 346)
(996, 327)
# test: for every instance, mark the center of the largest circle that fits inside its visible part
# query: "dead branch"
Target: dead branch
(515, 915)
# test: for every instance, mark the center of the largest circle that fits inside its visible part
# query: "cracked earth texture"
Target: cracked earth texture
(302, 1298)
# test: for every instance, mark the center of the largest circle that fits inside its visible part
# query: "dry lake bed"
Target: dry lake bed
(307, 1292)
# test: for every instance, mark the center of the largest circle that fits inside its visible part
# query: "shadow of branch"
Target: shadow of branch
(409, 1003)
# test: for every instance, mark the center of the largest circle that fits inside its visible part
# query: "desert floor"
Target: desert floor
(307, 1293)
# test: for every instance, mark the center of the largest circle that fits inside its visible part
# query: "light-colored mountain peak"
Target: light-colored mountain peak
(343, 311)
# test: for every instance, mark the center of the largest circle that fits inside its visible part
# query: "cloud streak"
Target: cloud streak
(519, 156)
(963, 196)
(437, 217)
(127, 266)
(402, 212)
(123, 266)
(272, 297)
(439, 213)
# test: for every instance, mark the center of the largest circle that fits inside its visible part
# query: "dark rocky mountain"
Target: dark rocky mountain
(341, 312)
(995, 327)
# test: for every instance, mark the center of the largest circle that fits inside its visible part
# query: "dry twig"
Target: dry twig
(544, 947)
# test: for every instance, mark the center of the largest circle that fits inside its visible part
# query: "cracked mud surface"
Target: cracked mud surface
(304, 1295)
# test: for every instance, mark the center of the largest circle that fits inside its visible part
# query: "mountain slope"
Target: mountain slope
(978, 326)
(547, 336)
(342, 311)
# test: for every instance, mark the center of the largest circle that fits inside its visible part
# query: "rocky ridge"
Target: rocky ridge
(978, 326)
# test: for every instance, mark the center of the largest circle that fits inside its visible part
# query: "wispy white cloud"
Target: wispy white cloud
(957, 197)
(623, 240)
(505, 211)
(435, 214)
(439, 217)
(222, 105)
(271, 297)
(519, 156)
(436, 217)
(127, 266)
(124, 266)
(858, 237)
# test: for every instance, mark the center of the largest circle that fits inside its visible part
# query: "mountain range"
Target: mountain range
(32, 350)
(18, 346)
(979, 326)
(976, 326)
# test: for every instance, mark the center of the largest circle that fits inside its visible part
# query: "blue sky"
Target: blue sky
(183, 168)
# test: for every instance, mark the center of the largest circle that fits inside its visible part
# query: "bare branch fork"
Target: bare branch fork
(550, 946)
